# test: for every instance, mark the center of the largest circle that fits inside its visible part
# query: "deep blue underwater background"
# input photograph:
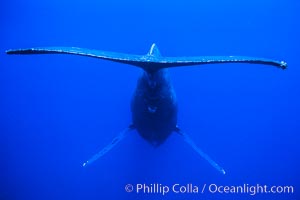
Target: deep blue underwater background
(58, 110)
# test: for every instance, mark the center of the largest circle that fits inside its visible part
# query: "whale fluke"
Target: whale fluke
(152, 61)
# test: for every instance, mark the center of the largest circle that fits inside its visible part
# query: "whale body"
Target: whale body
(154, 104)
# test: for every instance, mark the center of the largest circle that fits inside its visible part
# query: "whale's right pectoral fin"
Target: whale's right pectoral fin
(188, 140)
(111, 145)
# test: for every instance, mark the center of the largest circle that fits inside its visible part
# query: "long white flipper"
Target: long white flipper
(106, 149)
(188, 140)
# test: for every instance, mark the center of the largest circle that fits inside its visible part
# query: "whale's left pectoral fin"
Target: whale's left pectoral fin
(188, 140)
(111, 145)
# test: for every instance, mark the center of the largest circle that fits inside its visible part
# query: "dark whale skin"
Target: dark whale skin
(154, 107)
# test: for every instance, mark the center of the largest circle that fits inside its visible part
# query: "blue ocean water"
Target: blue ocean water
(56, 111)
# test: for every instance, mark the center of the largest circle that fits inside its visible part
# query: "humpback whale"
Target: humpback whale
(154, 105)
